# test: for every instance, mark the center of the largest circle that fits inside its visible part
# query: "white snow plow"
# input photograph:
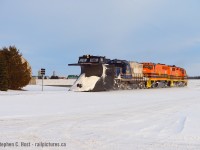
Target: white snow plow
(96, 74)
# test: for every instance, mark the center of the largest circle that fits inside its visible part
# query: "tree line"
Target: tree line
(14, 72)
(194, 77)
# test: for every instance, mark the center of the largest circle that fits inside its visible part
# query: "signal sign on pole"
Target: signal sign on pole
(42, 73)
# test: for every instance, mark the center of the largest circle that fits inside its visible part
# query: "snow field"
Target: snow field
(153, 119)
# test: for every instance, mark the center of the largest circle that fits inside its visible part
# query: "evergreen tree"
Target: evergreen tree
(19, 74)
(3, 73)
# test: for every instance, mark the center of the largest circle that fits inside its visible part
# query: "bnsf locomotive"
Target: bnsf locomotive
(99, 74)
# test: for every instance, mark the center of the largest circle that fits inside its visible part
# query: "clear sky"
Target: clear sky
(54, 33)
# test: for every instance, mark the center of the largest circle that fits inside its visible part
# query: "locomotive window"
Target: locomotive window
(123, 70)
(148, 67)
(81, 60)
(117, 71)
(101, 59)
(94, 60)
(128, 69)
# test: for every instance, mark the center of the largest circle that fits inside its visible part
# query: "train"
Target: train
(99, 73)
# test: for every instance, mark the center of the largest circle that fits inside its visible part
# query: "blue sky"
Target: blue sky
(54, 33)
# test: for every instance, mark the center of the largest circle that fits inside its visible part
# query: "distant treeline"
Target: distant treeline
(194, 77)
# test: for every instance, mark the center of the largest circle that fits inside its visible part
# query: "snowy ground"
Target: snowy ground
(153, 119)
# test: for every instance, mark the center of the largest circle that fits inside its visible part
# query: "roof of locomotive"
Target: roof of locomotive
(90, 60)
(96, 60)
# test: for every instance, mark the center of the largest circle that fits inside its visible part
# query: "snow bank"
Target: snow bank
(66, 82)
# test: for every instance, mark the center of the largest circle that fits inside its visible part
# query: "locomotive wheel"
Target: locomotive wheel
(116, 85)
(122, 86)
(141, 85)
(154, 85)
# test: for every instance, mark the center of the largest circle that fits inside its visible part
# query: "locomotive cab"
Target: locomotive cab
(122, 68)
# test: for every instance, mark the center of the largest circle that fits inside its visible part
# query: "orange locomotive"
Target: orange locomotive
(160, 75)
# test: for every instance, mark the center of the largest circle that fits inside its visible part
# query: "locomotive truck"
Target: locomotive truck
(101, 74)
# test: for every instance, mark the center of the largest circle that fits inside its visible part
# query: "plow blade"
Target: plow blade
(94, 78)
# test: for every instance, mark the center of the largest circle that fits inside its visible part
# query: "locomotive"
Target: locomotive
(101, 74)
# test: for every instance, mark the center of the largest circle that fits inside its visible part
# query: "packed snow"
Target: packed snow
(149, 119)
